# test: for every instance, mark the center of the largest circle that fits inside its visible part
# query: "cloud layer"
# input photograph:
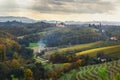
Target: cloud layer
(58, 6)
(73, 6)
(83, 10)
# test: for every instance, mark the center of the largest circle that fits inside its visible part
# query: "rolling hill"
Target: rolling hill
(71, 50)
(19, 19)
(110, 50)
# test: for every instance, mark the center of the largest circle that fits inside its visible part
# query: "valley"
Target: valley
(46, 51)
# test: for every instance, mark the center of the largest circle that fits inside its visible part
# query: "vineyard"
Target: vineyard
(83, 47)
(105, 71)
(107, 50)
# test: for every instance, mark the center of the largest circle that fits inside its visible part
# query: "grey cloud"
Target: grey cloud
(65, 0)
(61, 6)
(73, 6)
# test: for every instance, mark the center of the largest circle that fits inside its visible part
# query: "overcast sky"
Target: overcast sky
(75, 10)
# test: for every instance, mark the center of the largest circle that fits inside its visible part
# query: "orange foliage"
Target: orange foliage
(78, 63)
(15, 64)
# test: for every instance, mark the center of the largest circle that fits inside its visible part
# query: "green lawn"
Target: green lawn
(31, 45)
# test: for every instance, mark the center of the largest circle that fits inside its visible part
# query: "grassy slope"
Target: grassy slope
(78, 47)
(107, 50)
(74, 49)
(92, 50)
(83, 47)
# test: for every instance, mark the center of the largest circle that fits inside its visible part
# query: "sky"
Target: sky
(63, 10)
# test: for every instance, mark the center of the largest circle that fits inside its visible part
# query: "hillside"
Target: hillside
(71, 50)
(9, 43)
(6, 35)
(21, 29)
(8, 40)
(105, 71)
(110, 50)
(82, 47)
(71, 36)
(7, 48)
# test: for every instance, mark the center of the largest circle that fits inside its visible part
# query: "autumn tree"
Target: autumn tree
(15, 64)
(28, 74)
(15, 55)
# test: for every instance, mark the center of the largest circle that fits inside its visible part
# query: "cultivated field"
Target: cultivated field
(105, 71)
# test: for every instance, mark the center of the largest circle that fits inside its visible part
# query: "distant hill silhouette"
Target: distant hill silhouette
(19, 19)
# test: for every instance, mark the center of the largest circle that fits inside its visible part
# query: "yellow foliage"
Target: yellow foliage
(9, 43)
(15, 55)
(78, 47)
(28, 74)
(106, 50)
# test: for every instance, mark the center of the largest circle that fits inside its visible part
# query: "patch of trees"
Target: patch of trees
(9, 49)
(33, 38)
(62, 58)
(7, 35)
(13, 58)
(13, 69)
(20, 29)
(99, 58)
(25, 52)
(56, 73)
(38, 71)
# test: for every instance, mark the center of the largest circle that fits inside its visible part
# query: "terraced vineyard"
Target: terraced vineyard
(105, 71)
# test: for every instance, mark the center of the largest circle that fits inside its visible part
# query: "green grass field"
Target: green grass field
(31, 45)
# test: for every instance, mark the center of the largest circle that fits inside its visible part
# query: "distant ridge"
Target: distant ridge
(18, 19)
(93, 22)
(28, 20)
